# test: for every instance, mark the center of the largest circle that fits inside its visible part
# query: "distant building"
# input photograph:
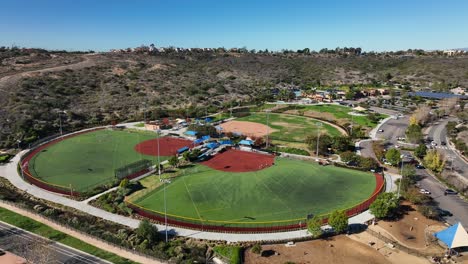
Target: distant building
(437, 96)
(458, 90)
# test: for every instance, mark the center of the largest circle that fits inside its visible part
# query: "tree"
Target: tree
(422, 114)
(349, 157)
(147, 231)
(325, 142)
(338, 220)
(393, 156)
(368, 163)
(409, 172)
(434, 161)
(124, 183)
(413, 195)
(174, 161)
(342, 143)
(420, 151)
(414, 133)
(385, 206)
(257, 249)
(314, 226)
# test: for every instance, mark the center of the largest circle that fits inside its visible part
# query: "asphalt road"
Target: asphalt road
(39, 250)
(438, 133)
(395, 128)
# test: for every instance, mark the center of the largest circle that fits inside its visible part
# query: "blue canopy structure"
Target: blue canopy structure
(454, 236)
(246, 142)
(212, 145)
(198, 141)
(208, 119)
(205, 138)
(225, 142)
(183, 149)
(219, 128)
(191, 133)
(432, 95)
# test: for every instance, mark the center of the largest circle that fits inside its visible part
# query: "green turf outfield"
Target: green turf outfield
(290, 128)
(89, 159)
(290, 189)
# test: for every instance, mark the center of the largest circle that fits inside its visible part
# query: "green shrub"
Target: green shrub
(233, 253)
(257, 249)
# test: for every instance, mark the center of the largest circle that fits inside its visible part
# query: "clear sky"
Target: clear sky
(105, 24)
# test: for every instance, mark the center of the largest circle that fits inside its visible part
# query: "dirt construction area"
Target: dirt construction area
(336, 250)
(246, 128)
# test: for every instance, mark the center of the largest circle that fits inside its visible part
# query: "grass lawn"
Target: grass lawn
(341, 112)
(291, 189)
(88, 160)
(52, 234)
(290, 128)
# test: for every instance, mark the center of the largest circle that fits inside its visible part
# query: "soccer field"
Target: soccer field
(87, 160)
(290, 189)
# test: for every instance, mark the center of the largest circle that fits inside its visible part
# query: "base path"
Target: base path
(9, 172)
(240, 161)
(247, 128)
(168, 146)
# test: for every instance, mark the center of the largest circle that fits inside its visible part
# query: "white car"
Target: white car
(424, 191)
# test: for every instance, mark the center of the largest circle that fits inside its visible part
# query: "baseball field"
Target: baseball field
(286, 191)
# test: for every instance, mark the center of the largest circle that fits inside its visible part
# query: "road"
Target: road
(438, 133)
(37, 249)
(394, 128)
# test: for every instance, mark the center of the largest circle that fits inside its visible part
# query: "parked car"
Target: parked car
(424, 191)
(433, 143)
(450, 191)
(380, 130)
(419, 166)
(401, 138)
(443, 212)
(443, 143)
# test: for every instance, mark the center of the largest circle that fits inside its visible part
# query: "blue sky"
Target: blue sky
(103, 24)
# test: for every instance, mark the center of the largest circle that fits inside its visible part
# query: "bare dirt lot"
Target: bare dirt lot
(247, 128)
(413, 229)
(336, 250)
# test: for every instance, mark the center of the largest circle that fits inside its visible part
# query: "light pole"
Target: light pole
(318, 124)
(60, 123)
(159, 161)
(401, 179)
(165, 208)
(268, 129)
(18, 143)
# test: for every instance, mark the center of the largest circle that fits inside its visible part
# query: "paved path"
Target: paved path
(21, 242)
(9, 172)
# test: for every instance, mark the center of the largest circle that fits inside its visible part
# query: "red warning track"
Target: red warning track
(168, 146)
(240, 161)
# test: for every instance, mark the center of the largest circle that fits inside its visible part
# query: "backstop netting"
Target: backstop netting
(132, 168)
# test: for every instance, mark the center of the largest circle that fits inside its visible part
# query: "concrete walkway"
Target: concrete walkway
(9, 172)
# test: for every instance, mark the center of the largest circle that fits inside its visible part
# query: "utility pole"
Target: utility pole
(268, 129)
(165, 207)
(144, 113)
(159, 161)
(318, 124)
(18, 143)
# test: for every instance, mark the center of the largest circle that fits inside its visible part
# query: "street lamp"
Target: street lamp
(268, 128)
(318, 124)
(18, 143)
(401, 179)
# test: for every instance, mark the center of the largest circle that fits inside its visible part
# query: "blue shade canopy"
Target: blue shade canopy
(246, 142)
(454, 236)
(191, 133)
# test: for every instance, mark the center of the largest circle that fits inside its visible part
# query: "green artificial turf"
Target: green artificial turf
(290, 189)
(290, 128)
(88, 160)
(52, 234)
(341, 112)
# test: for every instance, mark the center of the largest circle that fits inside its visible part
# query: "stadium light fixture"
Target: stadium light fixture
(318, 124)
(268, 128)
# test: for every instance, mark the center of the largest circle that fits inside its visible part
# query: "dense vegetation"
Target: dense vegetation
(126, 86)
